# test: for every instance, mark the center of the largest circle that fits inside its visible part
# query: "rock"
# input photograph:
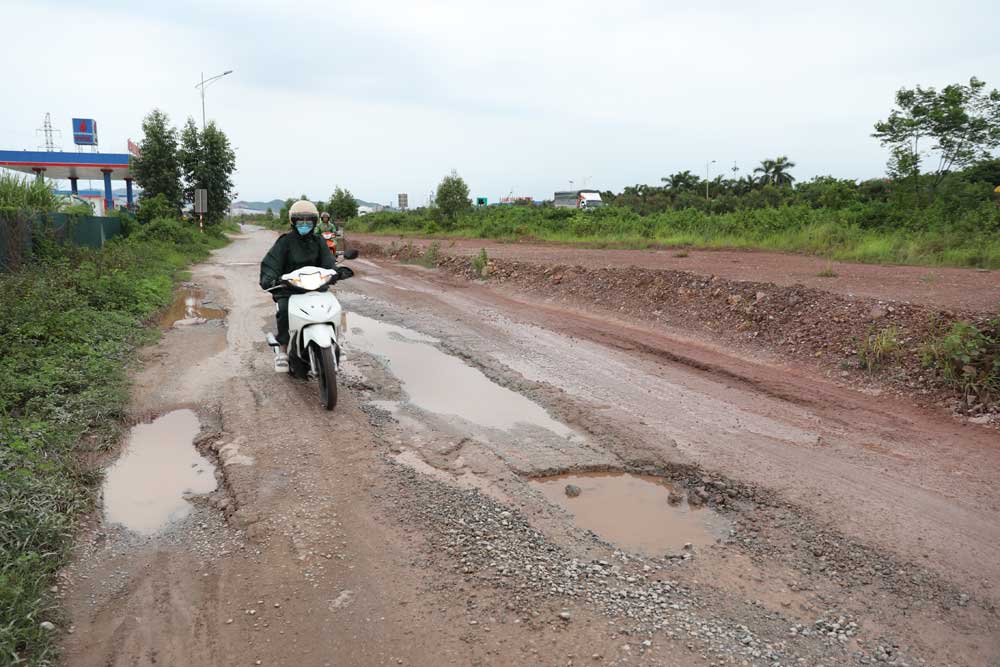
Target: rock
(674, 498)
(572, 490)
(565, 615)
(47, 625)
(876, 313)
(761, 296)
(695, 500)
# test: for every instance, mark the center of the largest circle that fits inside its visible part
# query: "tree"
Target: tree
(343, 205)
(190, 157)
(269, 213)
(961, 123)
(682, 180)
(452, 196)
(775, 171)
(217, 166)
(157, 169)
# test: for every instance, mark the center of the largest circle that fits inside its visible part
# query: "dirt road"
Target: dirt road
(965, 289)
(509, 482)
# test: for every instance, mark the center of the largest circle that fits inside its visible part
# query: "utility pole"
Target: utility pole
(707, 163)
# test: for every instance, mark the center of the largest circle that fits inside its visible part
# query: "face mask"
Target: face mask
(304, 228)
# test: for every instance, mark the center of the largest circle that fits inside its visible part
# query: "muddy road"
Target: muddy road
(507, 481)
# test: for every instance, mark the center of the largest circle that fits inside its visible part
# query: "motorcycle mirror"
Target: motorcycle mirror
(351, 254)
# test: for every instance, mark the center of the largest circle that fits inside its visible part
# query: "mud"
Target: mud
(189, 307)
(147, 487)
(638, 513)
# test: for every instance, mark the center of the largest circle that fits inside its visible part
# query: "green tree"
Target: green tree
(157, 170)
(961, 124)
(775, 171)
(343, 205)
(269, 213)
(190, 158)
(217, 166)
(682, 180)
(452, 196)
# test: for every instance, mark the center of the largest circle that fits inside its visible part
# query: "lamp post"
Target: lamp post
(707, 163)
(205, 82)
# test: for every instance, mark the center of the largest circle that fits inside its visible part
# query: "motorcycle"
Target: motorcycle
(331, 242)
(315, 318)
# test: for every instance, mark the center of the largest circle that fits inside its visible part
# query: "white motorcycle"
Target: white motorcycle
(314, 321)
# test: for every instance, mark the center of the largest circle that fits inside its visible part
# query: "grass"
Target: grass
(967, 357)
(969, 238)
(71, 323)
(879, 348)
(480, 262)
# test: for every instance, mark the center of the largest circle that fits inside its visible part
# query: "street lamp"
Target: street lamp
(706, 177)
(205, 82)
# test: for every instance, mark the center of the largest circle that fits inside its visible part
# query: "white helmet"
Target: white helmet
(303, 211)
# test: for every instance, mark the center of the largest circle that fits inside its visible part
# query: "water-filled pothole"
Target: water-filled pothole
(442, 384)
(189, 305)
(145, 489)
(639, 513)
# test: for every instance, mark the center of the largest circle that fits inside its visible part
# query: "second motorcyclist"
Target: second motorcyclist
(293, 250)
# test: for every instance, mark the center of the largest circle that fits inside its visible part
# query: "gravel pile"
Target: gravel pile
(490, 544)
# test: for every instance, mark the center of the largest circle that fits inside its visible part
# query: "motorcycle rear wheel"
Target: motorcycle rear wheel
(327, 372)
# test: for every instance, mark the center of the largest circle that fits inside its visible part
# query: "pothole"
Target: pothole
(146, 488)
(445, 385)
(638, 513)
(189, 308)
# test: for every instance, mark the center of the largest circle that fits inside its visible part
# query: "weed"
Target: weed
(967, 357)
(429, 258)
(480, 262)
(682, 253)
(827, 272)
(878, 348)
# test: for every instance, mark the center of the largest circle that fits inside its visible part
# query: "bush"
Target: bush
(152, 208)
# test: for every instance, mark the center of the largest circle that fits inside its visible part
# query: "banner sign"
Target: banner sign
(84, 132)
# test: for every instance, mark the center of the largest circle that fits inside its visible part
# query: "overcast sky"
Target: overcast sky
(386, 97)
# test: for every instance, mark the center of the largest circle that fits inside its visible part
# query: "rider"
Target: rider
(293, 250)
(325, 225)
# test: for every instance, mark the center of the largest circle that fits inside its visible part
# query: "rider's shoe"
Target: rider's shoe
(280, 362)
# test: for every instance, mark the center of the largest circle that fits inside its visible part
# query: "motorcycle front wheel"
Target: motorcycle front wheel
(327, 372)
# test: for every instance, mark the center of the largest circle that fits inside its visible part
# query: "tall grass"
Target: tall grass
(872, 234)
(22, 192)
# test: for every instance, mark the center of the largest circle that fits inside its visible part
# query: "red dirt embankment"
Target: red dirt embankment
(947, 288)
(819, 327)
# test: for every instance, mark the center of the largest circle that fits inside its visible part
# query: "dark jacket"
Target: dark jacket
(290, 252)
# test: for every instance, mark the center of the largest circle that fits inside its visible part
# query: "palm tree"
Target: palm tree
(681, 180)
(775, 171)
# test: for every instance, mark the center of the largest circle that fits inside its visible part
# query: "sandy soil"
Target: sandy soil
(963, 289)
(861, 529)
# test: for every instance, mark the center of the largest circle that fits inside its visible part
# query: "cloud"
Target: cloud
(387, 97)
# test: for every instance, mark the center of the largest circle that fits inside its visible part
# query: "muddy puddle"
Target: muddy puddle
(445, 385)
(146, 488)
(634, 512)
(189, 305)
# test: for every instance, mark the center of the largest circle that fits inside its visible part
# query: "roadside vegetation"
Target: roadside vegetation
(72, 320)
(945, 214)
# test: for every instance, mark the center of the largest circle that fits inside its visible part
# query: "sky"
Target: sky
(519, 97)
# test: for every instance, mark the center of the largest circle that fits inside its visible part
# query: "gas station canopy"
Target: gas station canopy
(62, 165)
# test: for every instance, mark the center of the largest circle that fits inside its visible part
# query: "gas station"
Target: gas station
(63, 165)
